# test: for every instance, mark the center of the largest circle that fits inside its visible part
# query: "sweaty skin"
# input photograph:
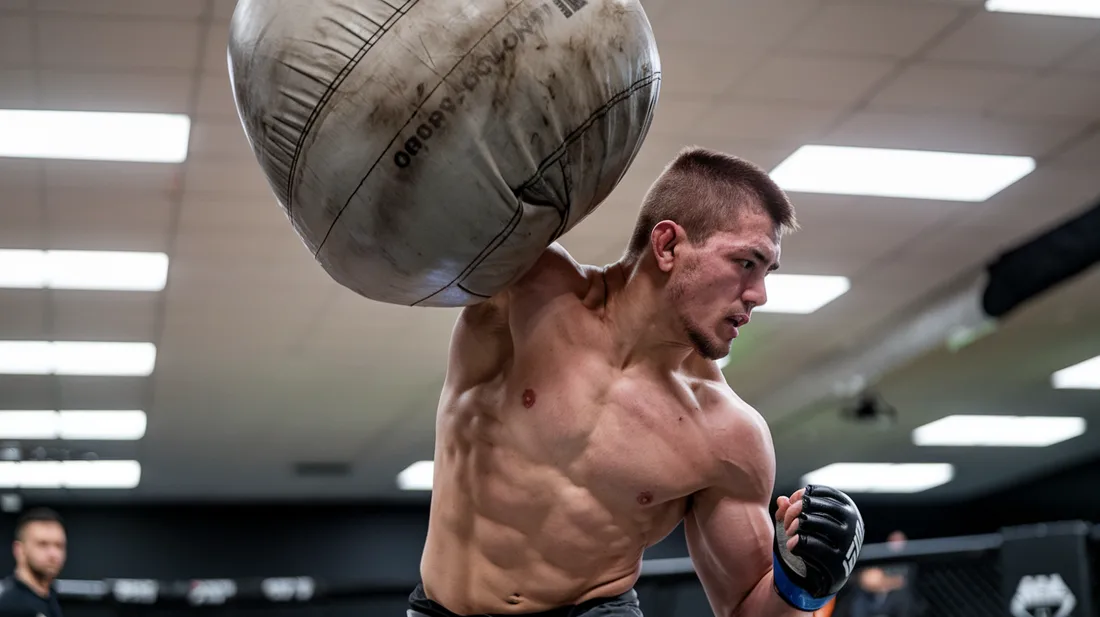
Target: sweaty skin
(562, 453)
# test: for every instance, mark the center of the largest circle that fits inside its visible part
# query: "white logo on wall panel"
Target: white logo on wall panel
(1043, 595)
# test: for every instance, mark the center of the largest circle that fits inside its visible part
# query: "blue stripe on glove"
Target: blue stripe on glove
(793, 594)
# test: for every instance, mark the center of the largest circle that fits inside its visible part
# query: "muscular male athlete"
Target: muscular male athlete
(583, 417)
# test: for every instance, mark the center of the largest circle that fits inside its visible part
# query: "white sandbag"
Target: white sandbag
(427, 151)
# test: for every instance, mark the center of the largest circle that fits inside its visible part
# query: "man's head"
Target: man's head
(713, 224)
(40, 543)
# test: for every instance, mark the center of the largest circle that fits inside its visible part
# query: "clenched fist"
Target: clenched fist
(818, 537)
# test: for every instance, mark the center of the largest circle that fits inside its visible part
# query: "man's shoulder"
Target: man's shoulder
(556, 269)
(556, 274)
(9, 593)
(741, 442)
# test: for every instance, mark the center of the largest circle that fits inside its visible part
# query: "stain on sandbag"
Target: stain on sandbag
(497, 65)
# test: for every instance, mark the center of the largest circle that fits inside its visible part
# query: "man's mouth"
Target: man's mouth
(738, 320)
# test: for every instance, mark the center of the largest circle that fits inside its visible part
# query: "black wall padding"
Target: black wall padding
(1042, 263)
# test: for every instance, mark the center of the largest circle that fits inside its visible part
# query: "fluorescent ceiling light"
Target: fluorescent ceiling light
(882, 477)
(83, 270)
(73, 425)
(416, 477)
(914, 174)
(801, 293)
(70, 474)
(99, 136)
(77, 358)
(1021, 431)
(1081, 376)
(1062, 8)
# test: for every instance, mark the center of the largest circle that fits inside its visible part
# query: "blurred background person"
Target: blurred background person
(884, 591)
(39, 549)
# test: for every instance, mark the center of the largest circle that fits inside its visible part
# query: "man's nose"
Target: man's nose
(755, 295)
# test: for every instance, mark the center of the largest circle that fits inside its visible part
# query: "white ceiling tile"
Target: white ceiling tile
(95, 43)
(1087, 60)
(953, 132)
(825, 244)
(200, 246)
(217, 40)
(16, 50)
(697, 71)
(674, 118)
(90, 91)
(233, 177)
(216, 97)
(27, 391)
(17, 89)
(1057, 95)
(107, 220)
(215, 211)
(751, 23)
(220, 138)
(124, 8)
(111, 175)
(20, 173)
(810, 79)
(95, 393)
(22, 220)
(930, 86)
(1075, 188)
(223, 9)
(874, 28)
(764, 154)
(1083, 154)
(104, 316)
(772, 122)
(23, 314)
(1006, 39)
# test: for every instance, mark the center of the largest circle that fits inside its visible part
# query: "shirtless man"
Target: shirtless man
(583, 417)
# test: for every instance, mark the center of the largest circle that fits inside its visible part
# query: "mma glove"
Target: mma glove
(830, 537)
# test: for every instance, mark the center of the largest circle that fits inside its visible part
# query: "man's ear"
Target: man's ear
(665, 238)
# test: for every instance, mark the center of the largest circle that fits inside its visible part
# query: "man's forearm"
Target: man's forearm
(763, 601)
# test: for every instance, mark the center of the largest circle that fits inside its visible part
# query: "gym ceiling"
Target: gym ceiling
(272, 382)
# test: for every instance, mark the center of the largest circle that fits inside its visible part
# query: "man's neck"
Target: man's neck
(638, 318)
(39, 586)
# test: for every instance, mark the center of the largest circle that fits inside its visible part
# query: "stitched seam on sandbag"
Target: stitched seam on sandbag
(397, 134)
(485, 252)
(557, 154)
(472, 292)
(339, 79)
(576, 133)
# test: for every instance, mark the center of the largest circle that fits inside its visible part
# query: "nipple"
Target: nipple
(528, 398)
(514, 599)
(645, 498)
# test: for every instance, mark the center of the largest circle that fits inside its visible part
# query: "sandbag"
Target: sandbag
(427, 151)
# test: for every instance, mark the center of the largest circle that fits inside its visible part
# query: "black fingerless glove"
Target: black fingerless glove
(830, 537)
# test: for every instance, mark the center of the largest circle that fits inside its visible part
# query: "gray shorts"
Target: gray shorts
(625, 605)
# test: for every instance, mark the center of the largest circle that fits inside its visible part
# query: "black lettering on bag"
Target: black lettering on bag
(471, 78)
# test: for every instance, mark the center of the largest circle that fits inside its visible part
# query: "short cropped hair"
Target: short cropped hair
(705, 191)
(36, 515)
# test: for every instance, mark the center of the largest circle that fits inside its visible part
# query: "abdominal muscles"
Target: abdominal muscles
(529, 513)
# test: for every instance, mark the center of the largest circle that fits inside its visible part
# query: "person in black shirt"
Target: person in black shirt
(39, 549)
